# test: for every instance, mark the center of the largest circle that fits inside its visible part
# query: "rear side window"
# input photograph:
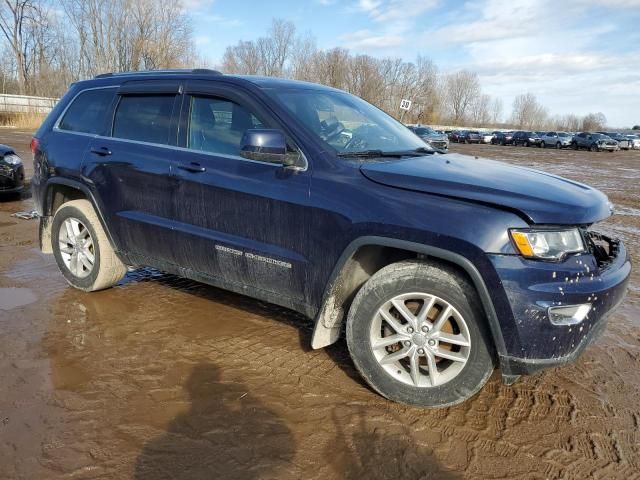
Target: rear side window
(145, 118)
(87, 111)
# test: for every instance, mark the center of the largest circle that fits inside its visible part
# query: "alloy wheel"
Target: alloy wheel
(420, 339)
(76, 247)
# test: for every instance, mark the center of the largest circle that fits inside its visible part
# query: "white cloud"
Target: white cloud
(366, 39)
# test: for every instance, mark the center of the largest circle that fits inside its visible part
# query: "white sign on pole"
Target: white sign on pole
(405, 104)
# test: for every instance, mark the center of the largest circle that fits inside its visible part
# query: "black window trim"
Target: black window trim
(181, 97)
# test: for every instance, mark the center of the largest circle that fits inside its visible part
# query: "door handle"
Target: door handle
(102, 151)
(192, 167)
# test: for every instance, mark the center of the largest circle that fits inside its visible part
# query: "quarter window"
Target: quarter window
(87, 112)
(216, 125)
(145, 118)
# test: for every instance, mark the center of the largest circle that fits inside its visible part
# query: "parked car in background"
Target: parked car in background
(429, 135)
(595, 142)
(525, 138)
(502, 138)
(624, 143)
(11, 171)
(486, 137)
(634, 141)
(470, 136)
(454, 136)
(556, 139)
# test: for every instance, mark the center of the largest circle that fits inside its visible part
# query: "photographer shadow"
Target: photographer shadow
(227, 433)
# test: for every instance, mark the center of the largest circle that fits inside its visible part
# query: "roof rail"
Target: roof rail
(197, 71)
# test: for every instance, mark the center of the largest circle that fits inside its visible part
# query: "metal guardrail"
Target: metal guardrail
(26, 104)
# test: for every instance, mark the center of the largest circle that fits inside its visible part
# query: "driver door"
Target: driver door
(243, 221)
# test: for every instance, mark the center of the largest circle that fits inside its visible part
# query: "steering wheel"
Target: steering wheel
(332, 130)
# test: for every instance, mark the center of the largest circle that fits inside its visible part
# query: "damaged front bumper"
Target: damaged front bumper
(559, 308)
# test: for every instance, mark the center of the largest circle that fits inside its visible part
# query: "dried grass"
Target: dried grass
(24, 121)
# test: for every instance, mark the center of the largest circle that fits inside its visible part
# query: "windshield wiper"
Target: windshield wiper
(379, 153)
(370, 154)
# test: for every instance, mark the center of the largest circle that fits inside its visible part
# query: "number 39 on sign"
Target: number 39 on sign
(405, 104)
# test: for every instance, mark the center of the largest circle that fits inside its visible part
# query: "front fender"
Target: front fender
(331, 316)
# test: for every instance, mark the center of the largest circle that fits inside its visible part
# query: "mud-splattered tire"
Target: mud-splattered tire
(105, 270)
(368, 317)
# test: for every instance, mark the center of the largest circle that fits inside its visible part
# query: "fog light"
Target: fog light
(568, 314)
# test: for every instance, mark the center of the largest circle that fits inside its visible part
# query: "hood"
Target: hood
(434, 136)
(540, 197)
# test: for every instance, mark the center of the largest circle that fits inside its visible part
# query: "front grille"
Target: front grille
(6, 170)
(604, 249)
(438, 143)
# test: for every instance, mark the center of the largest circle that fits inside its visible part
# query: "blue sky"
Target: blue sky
(576, 56)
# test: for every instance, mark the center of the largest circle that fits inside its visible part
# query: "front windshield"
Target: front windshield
(563, 134)
(424, 131)
(347, 123)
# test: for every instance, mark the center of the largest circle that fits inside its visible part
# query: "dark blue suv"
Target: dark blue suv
(439, 267)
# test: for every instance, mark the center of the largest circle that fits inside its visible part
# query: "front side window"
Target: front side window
(216, 125)
(144, 118)
(87, 112)
(346, 123)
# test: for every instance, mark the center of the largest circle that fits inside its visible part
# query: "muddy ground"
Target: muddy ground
(166, 378)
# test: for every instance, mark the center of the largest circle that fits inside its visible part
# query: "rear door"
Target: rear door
(131, 169)
(241, 220)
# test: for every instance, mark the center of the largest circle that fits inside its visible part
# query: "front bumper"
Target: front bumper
(532, 341)
(11, 178)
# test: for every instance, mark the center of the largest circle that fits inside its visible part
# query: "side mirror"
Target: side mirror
(264, 144)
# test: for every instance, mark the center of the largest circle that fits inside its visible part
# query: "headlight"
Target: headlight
(12, 159)
(548, 244)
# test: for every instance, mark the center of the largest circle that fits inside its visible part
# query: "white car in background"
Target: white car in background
(486, 137)
(634, 141)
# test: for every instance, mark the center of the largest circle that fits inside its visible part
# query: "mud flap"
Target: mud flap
(44, 234)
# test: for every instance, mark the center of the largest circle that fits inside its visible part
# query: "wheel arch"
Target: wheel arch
(365, 256)
(58, 191)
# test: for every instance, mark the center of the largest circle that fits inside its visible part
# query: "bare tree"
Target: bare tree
(23, 24)
(496, 111)
(461, 90)
(480, 113)
(594, 121)
(527, 112)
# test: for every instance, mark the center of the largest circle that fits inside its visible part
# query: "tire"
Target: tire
(466, 141)
(543, 145)
(593, 147)
(574, 145)
(558, 146)
(456, 381)
(106, 269)
(527, 144)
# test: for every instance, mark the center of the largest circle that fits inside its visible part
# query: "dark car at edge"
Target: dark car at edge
(437, 268)
(11, 171)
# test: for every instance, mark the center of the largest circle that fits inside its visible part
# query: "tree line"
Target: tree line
(49, 44)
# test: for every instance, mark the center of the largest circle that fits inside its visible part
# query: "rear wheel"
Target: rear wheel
(82, 250)
(574, 145)
(417, 336)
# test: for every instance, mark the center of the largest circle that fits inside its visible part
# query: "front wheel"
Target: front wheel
(543, 145)
(558, 146)
(416, 334)
(82, 250)
(594, 148)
